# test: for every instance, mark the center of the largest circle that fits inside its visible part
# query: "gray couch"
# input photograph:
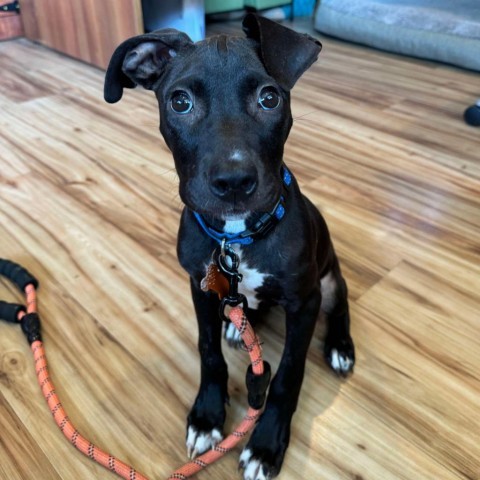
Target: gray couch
(442, 30)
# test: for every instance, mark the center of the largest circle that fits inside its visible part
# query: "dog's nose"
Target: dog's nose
(239, 182)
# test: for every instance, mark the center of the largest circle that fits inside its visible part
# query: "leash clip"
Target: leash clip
(228, 262)
(231, 302)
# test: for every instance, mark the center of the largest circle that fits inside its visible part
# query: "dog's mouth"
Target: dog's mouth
(224, 210)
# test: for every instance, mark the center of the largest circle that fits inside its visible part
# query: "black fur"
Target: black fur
(228, 140)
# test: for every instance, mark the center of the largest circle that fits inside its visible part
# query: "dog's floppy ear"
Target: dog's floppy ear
(141, 61)
(285, 53)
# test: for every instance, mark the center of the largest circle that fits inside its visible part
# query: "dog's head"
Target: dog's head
(224, 108)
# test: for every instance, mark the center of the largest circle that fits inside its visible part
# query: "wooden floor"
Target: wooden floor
(89, 203)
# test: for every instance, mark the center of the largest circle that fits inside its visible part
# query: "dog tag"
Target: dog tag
(215, 281)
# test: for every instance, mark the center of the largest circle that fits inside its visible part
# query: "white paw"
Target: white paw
(232, 336)
(200, 442)
(253, 469)
(341, 362)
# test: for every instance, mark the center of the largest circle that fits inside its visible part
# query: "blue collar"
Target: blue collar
(262, 226)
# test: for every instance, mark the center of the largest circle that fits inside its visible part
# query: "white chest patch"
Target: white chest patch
(252, 280)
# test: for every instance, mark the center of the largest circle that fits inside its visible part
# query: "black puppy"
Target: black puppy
(225, 115)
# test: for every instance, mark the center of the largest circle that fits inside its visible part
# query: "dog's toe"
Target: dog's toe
(340, 362)
(199, 442)
(253, 468)
(232, 336)
(341, 357)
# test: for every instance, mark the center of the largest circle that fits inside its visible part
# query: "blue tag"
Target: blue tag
(280, 211)
(287, 177)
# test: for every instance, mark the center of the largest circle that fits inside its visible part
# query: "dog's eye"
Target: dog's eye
(181, 102)
(269, 98)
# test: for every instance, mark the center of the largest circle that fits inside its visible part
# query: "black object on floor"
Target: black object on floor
(472, 115)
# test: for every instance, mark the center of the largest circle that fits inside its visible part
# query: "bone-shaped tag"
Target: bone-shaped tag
(215, 281)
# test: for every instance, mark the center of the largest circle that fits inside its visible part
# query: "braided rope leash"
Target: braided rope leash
(258, 377)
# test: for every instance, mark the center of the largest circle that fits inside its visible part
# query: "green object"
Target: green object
(219, 6)
(263, 4)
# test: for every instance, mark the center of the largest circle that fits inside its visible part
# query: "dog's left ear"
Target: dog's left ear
(285, 53)
(141, 60)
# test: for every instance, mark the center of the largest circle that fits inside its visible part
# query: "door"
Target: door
(85, 29)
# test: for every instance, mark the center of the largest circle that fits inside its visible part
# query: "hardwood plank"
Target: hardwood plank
(19, 87)
(435, 354)
(21, 456)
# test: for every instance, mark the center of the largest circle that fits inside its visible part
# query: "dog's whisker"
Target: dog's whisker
(169, 171)
(299, 117)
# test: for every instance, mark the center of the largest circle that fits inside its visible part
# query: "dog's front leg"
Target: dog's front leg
(263, 456)
(207, 416)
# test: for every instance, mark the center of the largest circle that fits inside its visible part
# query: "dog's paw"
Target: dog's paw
(232, 336)
(199, 442)
(262, 458)
(253, 468)
(341, 357)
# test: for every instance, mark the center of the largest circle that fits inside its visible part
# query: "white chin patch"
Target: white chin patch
(200, 442)
(234, 225)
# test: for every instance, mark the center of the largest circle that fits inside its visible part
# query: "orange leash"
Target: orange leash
(257, 381)
(252, 345)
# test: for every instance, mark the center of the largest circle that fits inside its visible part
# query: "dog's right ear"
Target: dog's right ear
(141, 61)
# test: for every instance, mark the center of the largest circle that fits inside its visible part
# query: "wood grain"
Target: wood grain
(89, 203)
(85, 29)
